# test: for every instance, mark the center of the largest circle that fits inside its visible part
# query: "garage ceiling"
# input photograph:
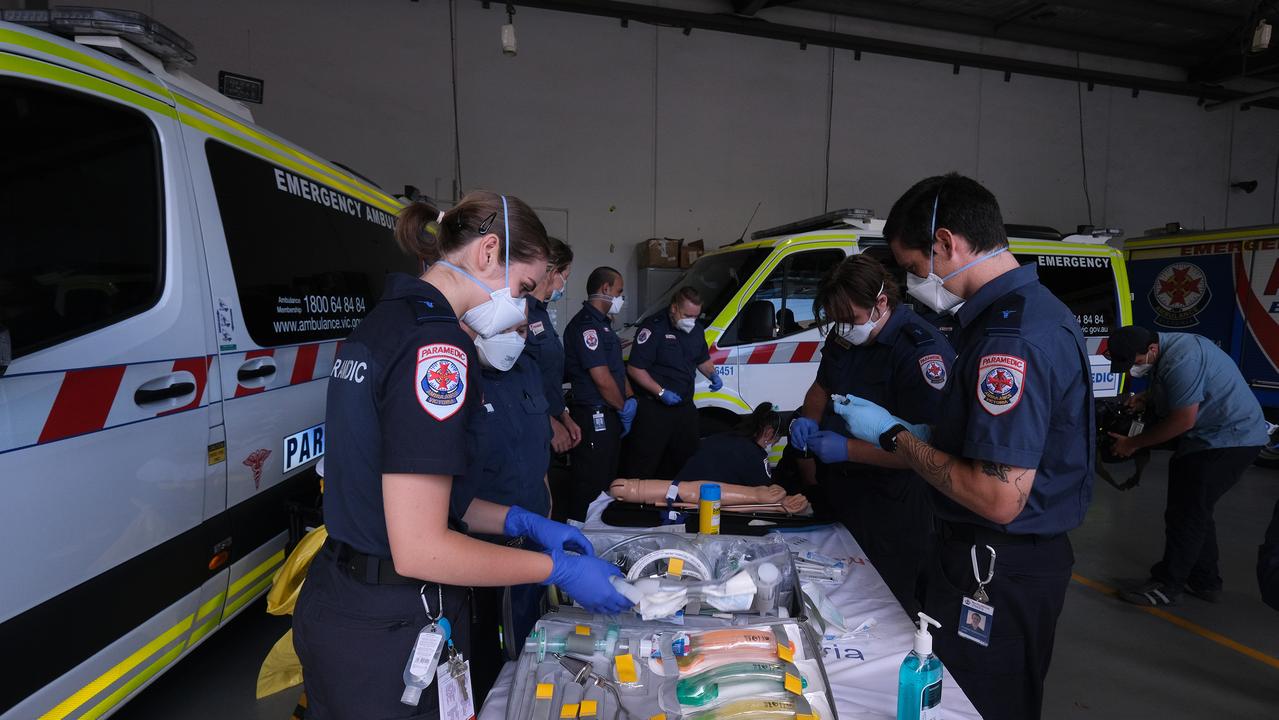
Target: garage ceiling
(1206, 37)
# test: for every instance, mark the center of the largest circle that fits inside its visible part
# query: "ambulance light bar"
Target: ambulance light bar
(1095, 235)
(818, 222)
(69, 21)
(1168, 229)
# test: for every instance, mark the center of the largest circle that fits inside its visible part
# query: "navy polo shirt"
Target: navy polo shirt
(402, 396)
(515, 437)
(669, 354)
(905, 369)
(728, 458)
(590, 342)
(1021, 395)
(543, 345)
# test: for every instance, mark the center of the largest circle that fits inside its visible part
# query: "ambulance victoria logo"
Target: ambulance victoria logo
(1000, 381)
(591, 338)
(440, 380)
(1180, 292)
(934, 370)
(643, 335)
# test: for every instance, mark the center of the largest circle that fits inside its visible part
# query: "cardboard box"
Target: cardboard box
(690, 252)
(659, 253)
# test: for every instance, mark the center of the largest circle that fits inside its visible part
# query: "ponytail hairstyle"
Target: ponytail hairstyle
(854, 282)
(763, 417)
(430, 234)
(560, 256)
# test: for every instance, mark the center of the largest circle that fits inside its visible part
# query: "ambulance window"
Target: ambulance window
(1086, 283)
(81, 214)
(309, 261)
(791, 289)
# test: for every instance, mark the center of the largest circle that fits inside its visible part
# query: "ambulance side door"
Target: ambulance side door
(779, 365)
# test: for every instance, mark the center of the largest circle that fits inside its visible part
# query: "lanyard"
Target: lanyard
(981, 596)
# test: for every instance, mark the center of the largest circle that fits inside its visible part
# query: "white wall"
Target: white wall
(643, 131)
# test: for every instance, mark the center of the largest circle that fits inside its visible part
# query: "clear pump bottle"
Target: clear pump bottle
(919, 680)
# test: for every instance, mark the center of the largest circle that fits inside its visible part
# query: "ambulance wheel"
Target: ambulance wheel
(715, 421)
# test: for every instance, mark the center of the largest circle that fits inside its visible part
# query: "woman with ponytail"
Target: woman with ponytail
(402, 407)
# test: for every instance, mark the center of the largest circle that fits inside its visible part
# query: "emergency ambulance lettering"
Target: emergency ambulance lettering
(332, 199)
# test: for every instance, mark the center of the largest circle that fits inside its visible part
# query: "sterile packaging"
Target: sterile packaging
(580, 665)
(671, 576)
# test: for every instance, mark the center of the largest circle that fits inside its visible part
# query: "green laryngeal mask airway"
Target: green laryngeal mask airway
(701, 688)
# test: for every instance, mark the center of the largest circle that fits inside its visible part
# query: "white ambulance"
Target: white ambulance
(758, 303)
(174, 282)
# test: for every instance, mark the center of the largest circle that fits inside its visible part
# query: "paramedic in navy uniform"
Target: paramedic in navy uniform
(546, 349)
(1011, 460)
(669, 350)
(880, 350)
(602, 405)
(402, 399)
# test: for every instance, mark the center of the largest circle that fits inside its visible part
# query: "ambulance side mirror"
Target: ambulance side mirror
(759, 322)
(6, 350)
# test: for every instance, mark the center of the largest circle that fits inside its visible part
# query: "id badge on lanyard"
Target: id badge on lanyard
(453, 677)
(976, 615)
(597, 419)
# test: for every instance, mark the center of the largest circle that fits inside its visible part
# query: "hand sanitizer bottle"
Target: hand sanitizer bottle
(919, 681)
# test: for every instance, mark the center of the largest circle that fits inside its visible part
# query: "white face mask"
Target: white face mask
(501, 310)
(1140, 370)
(686, 324)
(860, 334)
(615, 303)
(500, 351)
(931, 290)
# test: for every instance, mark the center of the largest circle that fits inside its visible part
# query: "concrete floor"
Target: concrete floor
(1112, 660)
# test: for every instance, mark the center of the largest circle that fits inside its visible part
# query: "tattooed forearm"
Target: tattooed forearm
(1023, 492)
(996, 470)
(932, 464)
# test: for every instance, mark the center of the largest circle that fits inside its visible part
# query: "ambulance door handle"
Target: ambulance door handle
(164, 388)
(255, 368)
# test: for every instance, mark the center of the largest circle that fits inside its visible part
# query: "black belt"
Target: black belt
(368, 569)
(970, 534)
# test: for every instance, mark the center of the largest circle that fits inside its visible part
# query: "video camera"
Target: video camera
(1115, 416)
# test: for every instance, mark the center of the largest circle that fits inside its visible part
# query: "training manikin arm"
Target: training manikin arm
(653, 492)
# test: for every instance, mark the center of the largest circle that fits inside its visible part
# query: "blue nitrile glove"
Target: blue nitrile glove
(545, 532)
(670, 398)
(801, 429)
(866, 420)
(585, 579)
(717, 381)
(627, 414)
(829, 447)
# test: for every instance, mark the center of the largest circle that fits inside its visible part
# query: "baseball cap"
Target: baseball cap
(1127, 343)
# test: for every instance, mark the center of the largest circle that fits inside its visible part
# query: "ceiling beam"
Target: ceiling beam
(1147, 11)
(1004, 29)
(802, 36)
(1234, 65)
(749, 7)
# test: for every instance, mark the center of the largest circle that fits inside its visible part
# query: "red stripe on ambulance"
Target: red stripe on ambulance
(83, 402)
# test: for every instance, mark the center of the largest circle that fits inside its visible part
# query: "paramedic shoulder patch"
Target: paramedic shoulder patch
(933, 369)
(1000, 382)
(591, 338)
(440, 379)
(643, 335)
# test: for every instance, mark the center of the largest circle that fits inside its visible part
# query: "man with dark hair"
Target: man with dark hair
(670, 347)
(1011, 466)
(1202, 402)
(601, 403)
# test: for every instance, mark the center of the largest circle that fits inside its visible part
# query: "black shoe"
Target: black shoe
(1151, 593)
(1212, 596)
